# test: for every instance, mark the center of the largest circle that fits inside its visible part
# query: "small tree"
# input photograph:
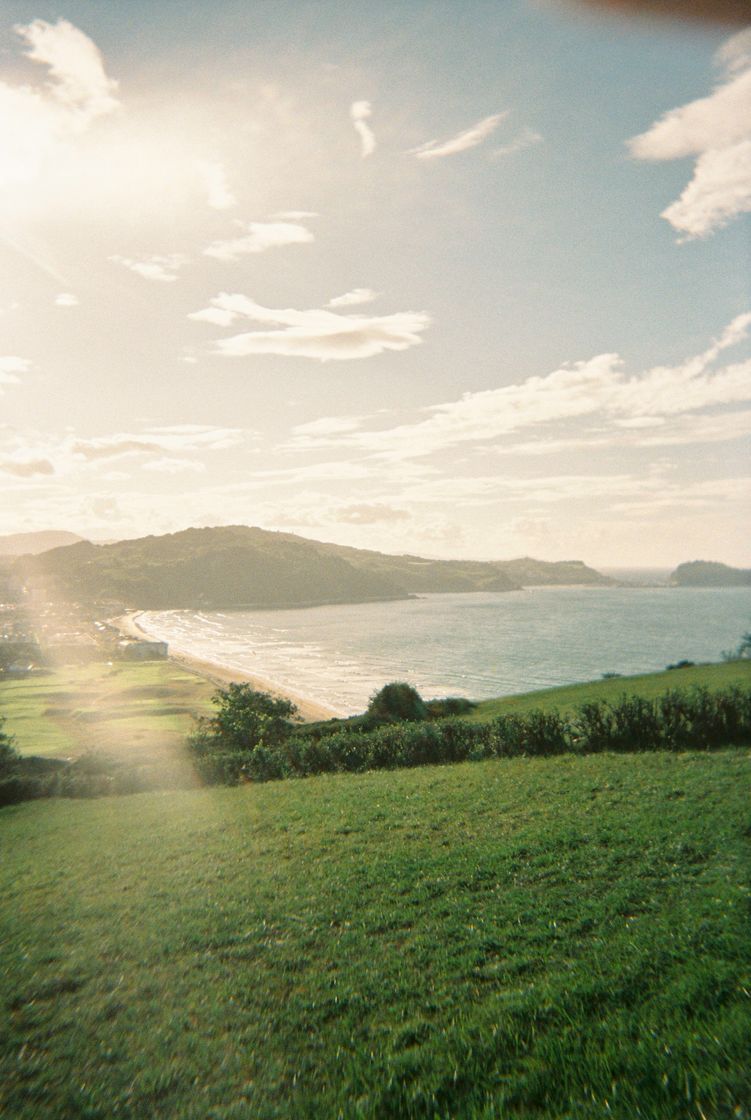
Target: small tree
(8, 753)
(397, 701)
(246, 717)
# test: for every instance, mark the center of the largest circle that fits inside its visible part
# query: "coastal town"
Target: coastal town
(35, 638)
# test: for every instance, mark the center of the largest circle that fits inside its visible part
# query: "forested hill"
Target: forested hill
(238, 566)
(708, 573)
(416, 574)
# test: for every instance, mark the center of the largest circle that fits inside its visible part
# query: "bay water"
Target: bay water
(477, 645)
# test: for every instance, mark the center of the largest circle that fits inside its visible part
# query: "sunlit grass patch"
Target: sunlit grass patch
(114, 707)
(648, 685)
(516, 938)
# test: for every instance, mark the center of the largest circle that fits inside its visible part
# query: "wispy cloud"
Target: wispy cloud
(371, 513)
(716, 130)
(661, 405)
(258, 238)
(29, 468)
(317, 334)
(328, 426)
(168, 465)
(462, 142)
(351, 299)
(113, 448)
(527, 138)
(293, 215)
(360, 113)
(156, 441)
(218, 193)
(66, 299)
(10, 367)
(161, 268)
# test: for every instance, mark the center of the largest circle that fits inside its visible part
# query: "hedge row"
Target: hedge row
(677, 721)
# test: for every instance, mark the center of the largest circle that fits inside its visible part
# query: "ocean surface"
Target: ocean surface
(477, 645)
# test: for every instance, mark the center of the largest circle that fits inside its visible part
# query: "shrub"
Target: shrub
(397, 701)
(246, 717)
(449, 706)
(242, 739)
(8, 754)
(592, 727)
(691, 720)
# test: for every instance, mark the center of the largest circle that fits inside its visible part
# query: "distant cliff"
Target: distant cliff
(708, 573)
(239, 566)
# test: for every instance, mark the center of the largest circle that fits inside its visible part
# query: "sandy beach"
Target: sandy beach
(221, 675)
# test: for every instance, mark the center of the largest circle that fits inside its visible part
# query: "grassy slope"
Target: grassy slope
(121, 709)
(648, 685)
(540, 938)
(131, 710)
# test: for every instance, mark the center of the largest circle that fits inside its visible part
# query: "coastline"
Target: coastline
(222, 675)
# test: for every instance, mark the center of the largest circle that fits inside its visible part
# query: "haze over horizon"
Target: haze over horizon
(468, 287)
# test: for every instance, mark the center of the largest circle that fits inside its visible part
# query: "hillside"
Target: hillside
(537, 938)
(708, 573)
(23, 544)
(417, 574)
(238, 566)
(234, 566)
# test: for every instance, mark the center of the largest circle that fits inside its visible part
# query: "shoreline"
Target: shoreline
(222, 675)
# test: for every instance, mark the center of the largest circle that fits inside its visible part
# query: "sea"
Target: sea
(477, 645)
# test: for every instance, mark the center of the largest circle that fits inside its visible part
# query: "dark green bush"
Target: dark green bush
(397, 701)
(449, 706)
(15, 788)
(8, 754)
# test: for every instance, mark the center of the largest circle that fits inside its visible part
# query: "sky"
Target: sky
(462, 281)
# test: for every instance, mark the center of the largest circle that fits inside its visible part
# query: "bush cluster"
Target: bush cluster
(679, 720)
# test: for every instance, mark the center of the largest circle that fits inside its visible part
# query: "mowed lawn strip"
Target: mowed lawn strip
(120, 708)
(516, 938)
(648, 685)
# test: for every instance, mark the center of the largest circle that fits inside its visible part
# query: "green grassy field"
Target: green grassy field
(133, 711)
(121, 707)
(648, 685)
(545, 938)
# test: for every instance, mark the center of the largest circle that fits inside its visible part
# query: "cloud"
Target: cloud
(716, 130)
(526, 139)
(219, 195)
(113, 448)
(168, 465)
(735, 53)
(26, 468)
(77, 76)
(260, 237)
(294, 215)
(370, 514)
(10, 367)
(318, 334)
(161, 268)
(462, 142)
(157, 441)
(35, 124)
(328, 425)
(360, 112)
(66, 299)
(351, 299)
(659, 406)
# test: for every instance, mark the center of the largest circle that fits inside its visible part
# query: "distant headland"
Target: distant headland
(710, 573)
(239, 566)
